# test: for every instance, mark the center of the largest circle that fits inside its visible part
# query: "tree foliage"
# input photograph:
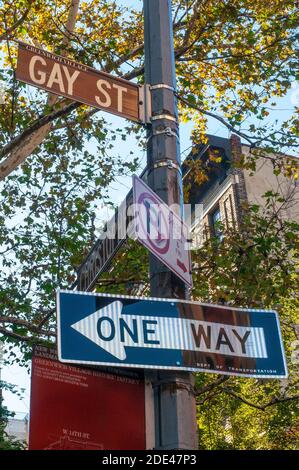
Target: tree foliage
(8, 442)
(255, 266)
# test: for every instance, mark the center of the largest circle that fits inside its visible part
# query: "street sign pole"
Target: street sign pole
(174, 401)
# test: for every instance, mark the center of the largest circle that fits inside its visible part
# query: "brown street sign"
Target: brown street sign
(100, 257)
(64, 77)
(105, 249)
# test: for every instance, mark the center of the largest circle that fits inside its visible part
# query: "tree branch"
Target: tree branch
(253, 141)
(26, 324)
(215, 116)
(272, 402)
(26, 339)
(107, 282)
(73, 122)
(34, 126)
(45, 319)
(212, 385)
(17, 23)
(22, 149)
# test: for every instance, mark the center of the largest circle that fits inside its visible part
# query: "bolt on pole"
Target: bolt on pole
(174, 401)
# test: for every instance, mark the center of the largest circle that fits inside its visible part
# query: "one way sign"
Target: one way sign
(168, 334)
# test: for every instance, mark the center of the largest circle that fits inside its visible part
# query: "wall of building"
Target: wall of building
(17, 427)
(231, 193)
(264, 180)
(229, 208)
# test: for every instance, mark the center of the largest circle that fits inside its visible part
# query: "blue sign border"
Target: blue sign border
(258, 320)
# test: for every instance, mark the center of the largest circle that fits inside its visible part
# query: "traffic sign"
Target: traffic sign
(64, 77)
(161, 231)
(78, 405)
(173, 334)
(112, 238)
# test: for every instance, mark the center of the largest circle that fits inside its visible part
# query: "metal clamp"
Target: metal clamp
(167, 131)
(161, 85)
(145, 104)
(169, 163)
(169, 117)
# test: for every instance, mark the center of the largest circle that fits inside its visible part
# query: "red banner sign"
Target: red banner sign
(84, 409)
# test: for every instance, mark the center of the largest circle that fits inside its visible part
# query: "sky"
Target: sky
(19, 376)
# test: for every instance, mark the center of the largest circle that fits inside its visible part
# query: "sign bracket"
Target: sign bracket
(145, 104)
(160, 86)
(169, 163)
(167, 131)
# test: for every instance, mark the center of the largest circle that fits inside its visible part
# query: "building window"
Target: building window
(229, 212)
(215, 219)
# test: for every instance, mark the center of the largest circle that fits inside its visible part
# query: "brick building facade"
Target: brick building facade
(229, 188)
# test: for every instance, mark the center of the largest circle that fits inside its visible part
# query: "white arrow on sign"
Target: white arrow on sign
(113, 331)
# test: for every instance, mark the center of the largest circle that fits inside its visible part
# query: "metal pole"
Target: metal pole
(174, 401)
